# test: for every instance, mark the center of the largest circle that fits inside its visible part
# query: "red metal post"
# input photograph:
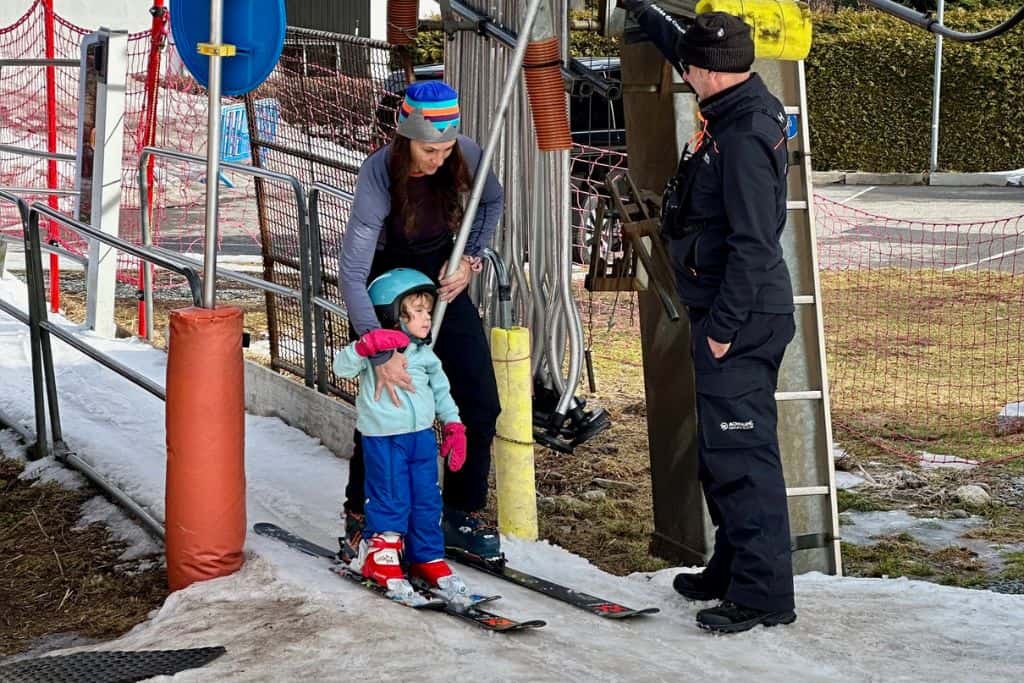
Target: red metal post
(148, 124)
(52, 177)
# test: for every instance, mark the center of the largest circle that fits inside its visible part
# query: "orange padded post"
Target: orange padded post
(205, 495)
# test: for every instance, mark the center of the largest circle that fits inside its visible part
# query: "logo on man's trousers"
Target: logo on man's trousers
(741, 426)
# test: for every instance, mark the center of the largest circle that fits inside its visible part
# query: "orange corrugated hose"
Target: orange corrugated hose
(546, 90)
(403, 16)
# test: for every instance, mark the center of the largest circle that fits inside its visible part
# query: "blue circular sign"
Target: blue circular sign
(791, 126)
(255, 27)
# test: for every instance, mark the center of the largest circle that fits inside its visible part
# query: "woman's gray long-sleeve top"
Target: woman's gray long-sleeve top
(365, 233)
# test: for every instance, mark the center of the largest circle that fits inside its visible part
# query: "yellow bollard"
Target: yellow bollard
(513, 445)
(782, 28)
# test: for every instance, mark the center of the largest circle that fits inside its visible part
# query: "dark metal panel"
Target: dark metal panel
(351, 17)
(680, 533)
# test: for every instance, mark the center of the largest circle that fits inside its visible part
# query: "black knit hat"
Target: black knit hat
(718, 42)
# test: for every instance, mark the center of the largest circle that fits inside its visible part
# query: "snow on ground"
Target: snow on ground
(1013, 177)
(862, 528)
(284, 616)
(847, 480)
(941, 461)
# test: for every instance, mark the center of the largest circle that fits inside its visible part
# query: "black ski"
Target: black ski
(339, 567)
(480, 617)
(590, 603)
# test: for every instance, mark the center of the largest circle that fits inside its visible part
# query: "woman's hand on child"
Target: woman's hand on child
(375, 341)
(453, 447)
(392, 375)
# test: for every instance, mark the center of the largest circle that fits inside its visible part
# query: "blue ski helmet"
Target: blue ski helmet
(387, 290)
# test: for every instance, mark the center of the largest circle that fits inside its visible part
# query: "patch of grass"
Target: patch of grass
(902, 555)
(1014, 566)
(1006, 525)
(925, 355)
(865, 560)
(56, 578)
(858, 502)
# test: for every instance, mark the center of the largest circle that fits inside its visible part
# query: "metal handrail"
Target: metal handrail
(40, 329)
(139, 252)
(235, 275)
(39, 342)
(31, 61)
(147, 255)
(42, 190)
(34, 256)
(51, 248)
(43, 375)
(59, 156)
(320, 304)
(256, 171)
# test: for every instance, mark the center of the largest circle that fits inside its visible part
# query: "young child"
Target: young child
(403, 500)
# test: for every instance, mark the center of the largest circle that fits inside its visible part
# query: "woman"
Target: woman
(406, 213)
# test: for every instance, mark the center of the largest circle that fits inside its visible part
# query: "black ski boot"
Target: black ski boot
(698, 587)
(348, 545)
(470, 533)
(728, 617)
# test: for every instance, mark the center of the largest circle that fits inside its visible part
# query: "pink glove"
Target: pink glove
(375, 341)
(453, 448)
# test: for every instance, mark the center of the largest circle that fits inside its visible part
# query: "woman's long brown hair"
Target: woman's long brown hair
(446, 186)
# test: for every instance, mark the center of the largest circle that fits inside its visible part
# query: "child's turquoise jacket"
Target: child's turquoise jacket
(431, 399)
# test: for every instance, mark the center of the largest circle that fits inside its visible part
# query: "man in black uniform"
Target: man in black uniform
(723, 214)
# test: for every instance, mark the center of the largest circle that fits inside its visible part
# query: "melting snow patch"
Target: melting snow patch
(863, 528)
(1010, 418)
(140, 544)
(937, 460)
(1014, 177)
(845, 480)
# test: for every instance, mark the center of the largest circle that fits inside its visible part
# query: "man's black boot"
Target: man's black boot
(728, 617)
(697, 587)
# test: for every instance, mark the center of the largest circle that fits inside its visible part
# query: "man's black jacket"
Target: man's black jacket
(730, 261)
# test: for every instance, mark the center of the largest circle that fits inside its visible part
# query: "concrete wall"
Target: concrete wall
(268, 393)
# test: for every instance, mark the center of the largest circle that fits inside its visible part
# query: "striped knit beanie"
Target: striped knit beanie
(429, 112)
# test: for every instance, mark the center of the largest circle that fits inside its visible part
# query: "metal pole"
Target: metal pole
(485, 160)
(152, 524)
(213, 157)
(936, 94)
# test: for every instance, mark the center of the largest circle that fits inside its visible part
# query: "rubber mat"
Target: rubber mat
(107, 667)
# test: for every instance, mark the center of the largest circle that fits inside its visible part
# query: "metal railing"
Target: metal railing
(320, 304)
(302, 294)
(38, 448)
(44, 383)
(33, 261)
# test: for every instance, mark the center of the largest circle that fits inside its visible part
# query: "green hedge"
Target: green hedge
(869, 80)
(429, 47)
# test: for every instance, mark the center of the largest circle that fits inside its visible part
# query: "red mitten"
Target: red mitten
(375, 341)
(453, 448)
